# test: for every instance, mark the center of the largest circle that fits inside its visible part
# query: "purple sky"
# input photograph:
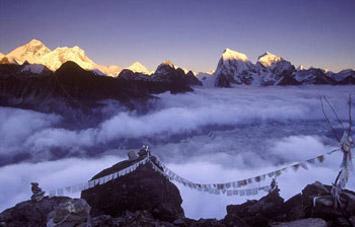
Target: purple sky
(191, 33)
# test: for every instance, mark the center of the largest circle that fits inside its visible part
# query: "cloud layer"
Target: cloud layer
(174, 117)
(226, 134)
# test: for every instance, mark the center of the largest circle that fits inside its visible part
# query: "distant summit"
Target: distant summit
(229, 54)
(32, 52)
(165, 67)
(137, 67)
(231, 68)
(268, 59)
(36, 52)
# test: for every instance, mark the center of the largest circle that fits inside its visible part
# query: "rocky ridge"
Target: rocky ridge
(146, 198)
(36, 87)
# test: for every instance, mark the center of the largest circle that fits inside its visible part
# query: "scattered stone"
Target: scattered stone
(74, 212)
(308, 222)
(129, 219)
(30, 213)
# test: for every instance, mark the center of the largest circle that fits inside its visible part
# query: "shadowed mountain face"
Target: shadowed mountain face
(75, 87)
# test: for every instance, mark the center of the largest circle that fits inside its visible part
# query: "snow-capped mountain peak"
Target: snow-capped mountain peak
(60, 55)
(165, 67)
(35, 42)
(31, 52)
(138, 67)
(169, 63)
(268, 59)
(229, 54)
(231, 68)
(301, 67)
(35, 52)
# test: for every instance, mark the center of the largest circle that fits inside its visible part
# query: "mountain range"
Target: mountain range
(35, 52)
(234, 68)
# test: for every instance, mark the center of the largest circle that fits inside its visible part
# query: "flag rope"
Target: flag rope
(231, 188)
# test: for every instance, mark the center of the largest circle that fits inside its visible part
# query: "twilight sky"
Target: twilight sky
(191, 33)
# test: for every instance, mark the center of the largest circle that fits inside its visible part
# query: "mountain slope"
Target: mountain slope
(346, 76)
(234, 67)
(54, 59)
(273, 68)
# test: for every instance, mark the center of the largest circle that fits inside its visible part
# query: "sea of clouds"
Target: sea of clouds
(209, 135)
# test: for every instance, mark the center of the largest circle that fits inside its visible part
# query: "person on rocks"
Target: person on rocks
(37, 193)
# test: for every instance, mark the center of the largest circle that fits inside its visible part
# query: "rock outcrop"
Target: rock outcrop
(74, 212)
(143, 189)
(144, 198)
(257, 212)
(30, 213)
(313, 207)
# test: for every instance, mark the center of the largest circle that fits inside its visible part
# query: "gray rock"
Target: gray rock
(352, 220)
(30, 213)
(324, 207)
(257, 213)
(74, 212)
(138, 218)
(308, 222)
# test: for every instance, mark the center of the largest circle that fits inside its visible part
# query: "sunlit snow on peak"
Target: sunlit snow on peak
(138, 67)
(267, 59)
(229, 54)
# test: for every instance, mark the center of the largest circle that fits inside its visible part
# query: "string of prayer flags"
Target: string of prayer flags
(228, 188)
(216, 189)
(99, 181)
(221, 187)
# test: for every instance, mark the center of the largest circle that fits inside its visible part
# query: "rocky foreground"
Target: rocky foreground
(146, 198)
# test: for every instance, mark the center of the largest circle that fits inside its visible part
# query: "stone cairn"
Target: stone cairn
(37, 193)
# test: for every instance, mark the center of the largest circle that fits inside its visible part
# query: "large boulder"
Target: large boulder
(142, 189)
(318, 202)
(257, 212)
(30, 213)
(294, 208)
